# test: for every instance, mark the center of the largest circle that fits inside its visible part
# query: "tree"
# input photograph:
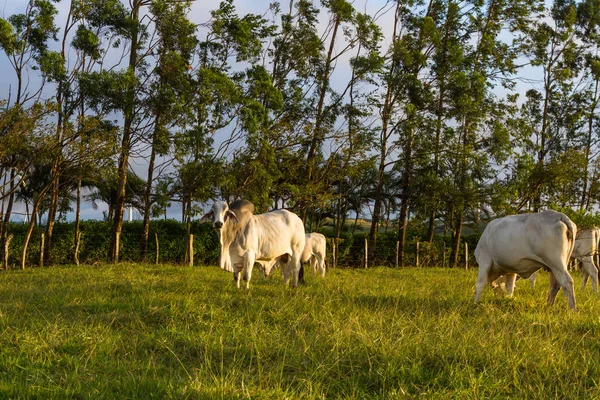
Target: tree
(24, 39)
(171, 90)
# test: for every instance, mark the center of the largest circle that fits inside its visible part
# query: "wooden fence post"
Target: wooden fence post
(191, 264)
(366, 253)
(42, 239)
(333, 252)
(186, 250)
(156, 241)
(466, 256)
(117, 245)
(77, 244)
(417, 260)
(397, 251)
(335, 255)
(444, 256)
(6, 246)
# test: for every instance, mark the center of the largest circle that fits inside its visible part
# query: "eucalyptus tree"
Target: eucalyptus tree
(341, 12)
(484, 63)
(136, 35)
(24, 38)
(295, 57)
(229, 108)
(346, 30)
(88, 46)
(551, 46)
(587, 28)
(110, 90)
(65, 107)
(171, 89)
(409, 80)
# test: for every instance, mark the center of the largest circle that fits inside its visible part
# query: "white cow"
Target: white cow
(314, 251)
(522, 244)
(246, 238)
(585, 249)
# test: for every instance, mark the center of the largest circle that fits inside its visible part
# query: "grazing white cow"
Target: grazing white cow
(522, 244)
(246, 238)
(314, 252)
(584, 250)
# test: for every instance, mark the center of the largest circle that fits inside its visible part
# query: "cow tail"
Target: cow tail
(571, 233)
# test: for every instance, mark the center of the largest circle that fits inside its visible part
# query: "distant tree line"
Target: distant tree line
(306, 105)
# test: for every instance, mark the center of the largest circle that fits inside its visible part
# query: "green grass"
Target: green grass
(140, 331)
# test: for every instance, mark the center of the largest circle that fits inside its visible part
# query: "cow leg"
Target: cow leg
(286, 269)
(238, 278)
(485, 264)
(321, 262)
(509, 282)
(532, 279)
(561, 278)
(313, 264)
(249, 259)
(300, 272)
(554, 288)
(589, 270)
(297, 268)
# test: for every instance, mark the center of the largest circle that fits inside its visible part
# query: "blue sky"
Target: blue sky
(200, 13)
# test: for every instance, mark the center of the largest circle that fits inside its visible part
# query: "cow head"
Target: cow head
(219, 214)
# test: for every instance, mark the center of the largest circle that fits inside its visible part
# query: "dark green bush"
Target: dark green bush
(95, 240)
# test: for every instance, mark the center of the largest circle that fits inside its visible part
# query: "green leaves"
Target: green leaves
(52, 65)
(8, 39)
(87, 41)
(106, 91)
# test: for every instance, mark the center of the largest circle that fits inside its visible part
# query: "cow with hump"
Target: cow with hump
(522, 244)
(246, 238)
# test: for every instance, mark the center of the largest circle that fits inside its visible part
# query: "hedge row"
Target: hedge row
(95, 241)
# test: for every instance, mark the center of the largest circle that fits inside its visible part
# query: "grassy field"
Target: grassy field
(141, 331)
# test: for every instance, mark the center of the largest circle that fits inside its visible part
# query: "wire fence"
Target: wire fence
(358, 252)
(169, 242)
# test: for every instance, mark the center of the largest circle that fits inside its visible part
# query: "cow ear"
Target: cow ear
(207, 217)
(231, 214)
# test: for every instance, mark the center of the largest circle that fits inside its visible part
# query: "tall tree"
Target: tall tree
(24, 38)
(551, 46)
(171, 91)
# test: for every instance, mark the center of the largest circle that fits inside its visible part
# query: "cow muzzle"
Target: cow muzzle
(218, 225)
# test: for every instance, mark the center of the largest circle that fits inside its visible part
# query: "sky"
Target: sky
(200, 14)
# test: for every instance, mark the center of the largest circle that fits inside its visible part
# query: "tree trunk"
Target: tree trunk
(456, 233)
(588, 146)
(126, 140)
(406, 183)
(56, 164)
(537, 201)
(78, 212)
(9, 206)
(148, 192)
(36, 205)
(439, 118)
(402, 224)
(317, 134)
(386, 115)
